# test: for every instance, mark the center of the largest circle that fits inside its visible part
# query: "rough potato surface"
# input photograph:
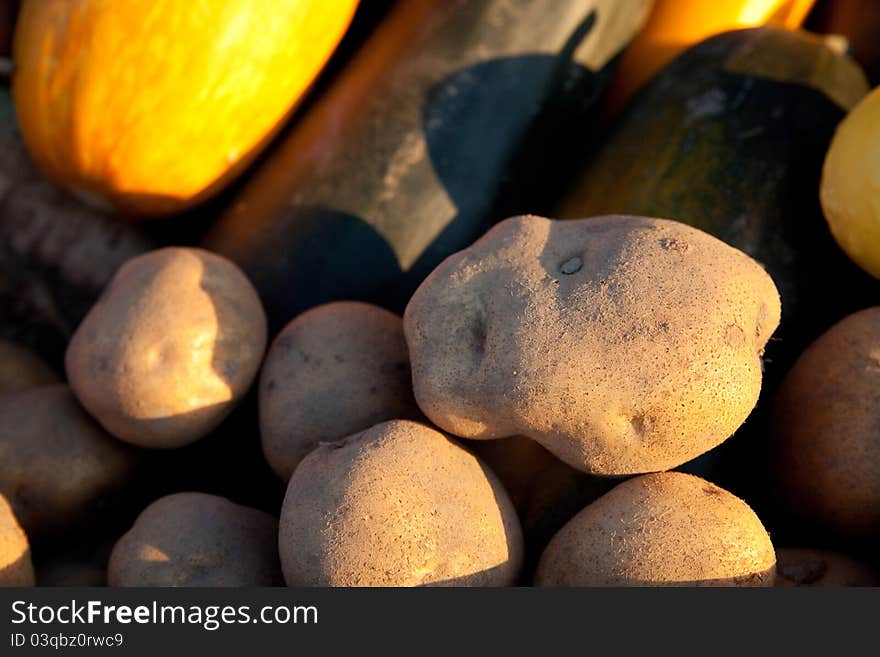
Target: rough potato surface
(58, 467)
(335, 370)
(169, 348)
(397, 505)
(664, 529)
(16, 568)
(622, 344)
(825, 432)
(195, 539)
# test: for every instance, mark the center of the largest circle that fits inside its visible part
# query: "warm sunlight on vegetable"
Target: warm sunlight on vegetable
(156, 105)
(675, 25)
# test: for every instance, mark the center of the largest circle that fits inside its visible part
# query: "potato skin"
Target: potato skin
(399, 504)
(822, 568)
(16, 568)
(335, 370)
(195, 539)
(622, 344)
(545, 491)
(59, 467)
(825, 429)
(663, 529)
(21, 369)
(169, 348)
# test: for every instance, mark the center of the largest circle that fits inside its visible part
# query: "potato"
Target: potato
(16, 568)
(817, 568)
(519, 463)
(545, 491)
(21, 369)
(622, 344)
(59, 467)
(664, 529)
(171, 346)
(195, 539)
(825, 429)
(335, 370)
(397, 505)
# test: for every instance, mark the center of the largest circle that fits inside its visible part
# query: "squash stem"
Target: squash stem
(838, 43)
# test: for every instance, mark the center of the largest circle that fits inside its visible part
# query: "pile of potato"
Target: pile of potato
(516, 426)
(547, 410)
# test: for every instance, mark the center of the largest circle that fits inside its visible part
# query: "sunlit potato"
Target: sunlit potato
(58, 467)
(399, 504)
(16, 568)
(21, 369)
(821, 568)
(825, 432)
(664, 529)
(622, 344)
(195, 539)
(335, 370)
(171, 346)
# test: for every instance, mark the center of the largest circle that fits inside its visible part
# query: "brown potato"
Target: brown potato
(59, 467)
(825, 431)
(545, 491)
(21, 369)
(664, 529)
(16, 568)
(397, 505)
(171, 346)
(195, 539)
(817, 568)
(621, 344)
(335, 370)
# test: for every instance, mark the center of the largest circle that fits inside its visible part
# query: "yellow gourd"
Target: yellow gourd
(154, 105)
(850, 188)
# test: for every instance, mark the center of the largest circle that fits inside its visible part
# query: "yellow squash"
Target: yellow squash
(154, 105)
(850, 188)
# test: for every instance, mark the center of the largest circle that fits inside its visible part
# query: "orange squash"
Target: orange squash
(675, 25)
(154, 105)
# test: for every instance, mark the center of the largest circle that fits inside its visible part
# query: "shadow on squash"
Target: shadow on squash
(492, 141)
